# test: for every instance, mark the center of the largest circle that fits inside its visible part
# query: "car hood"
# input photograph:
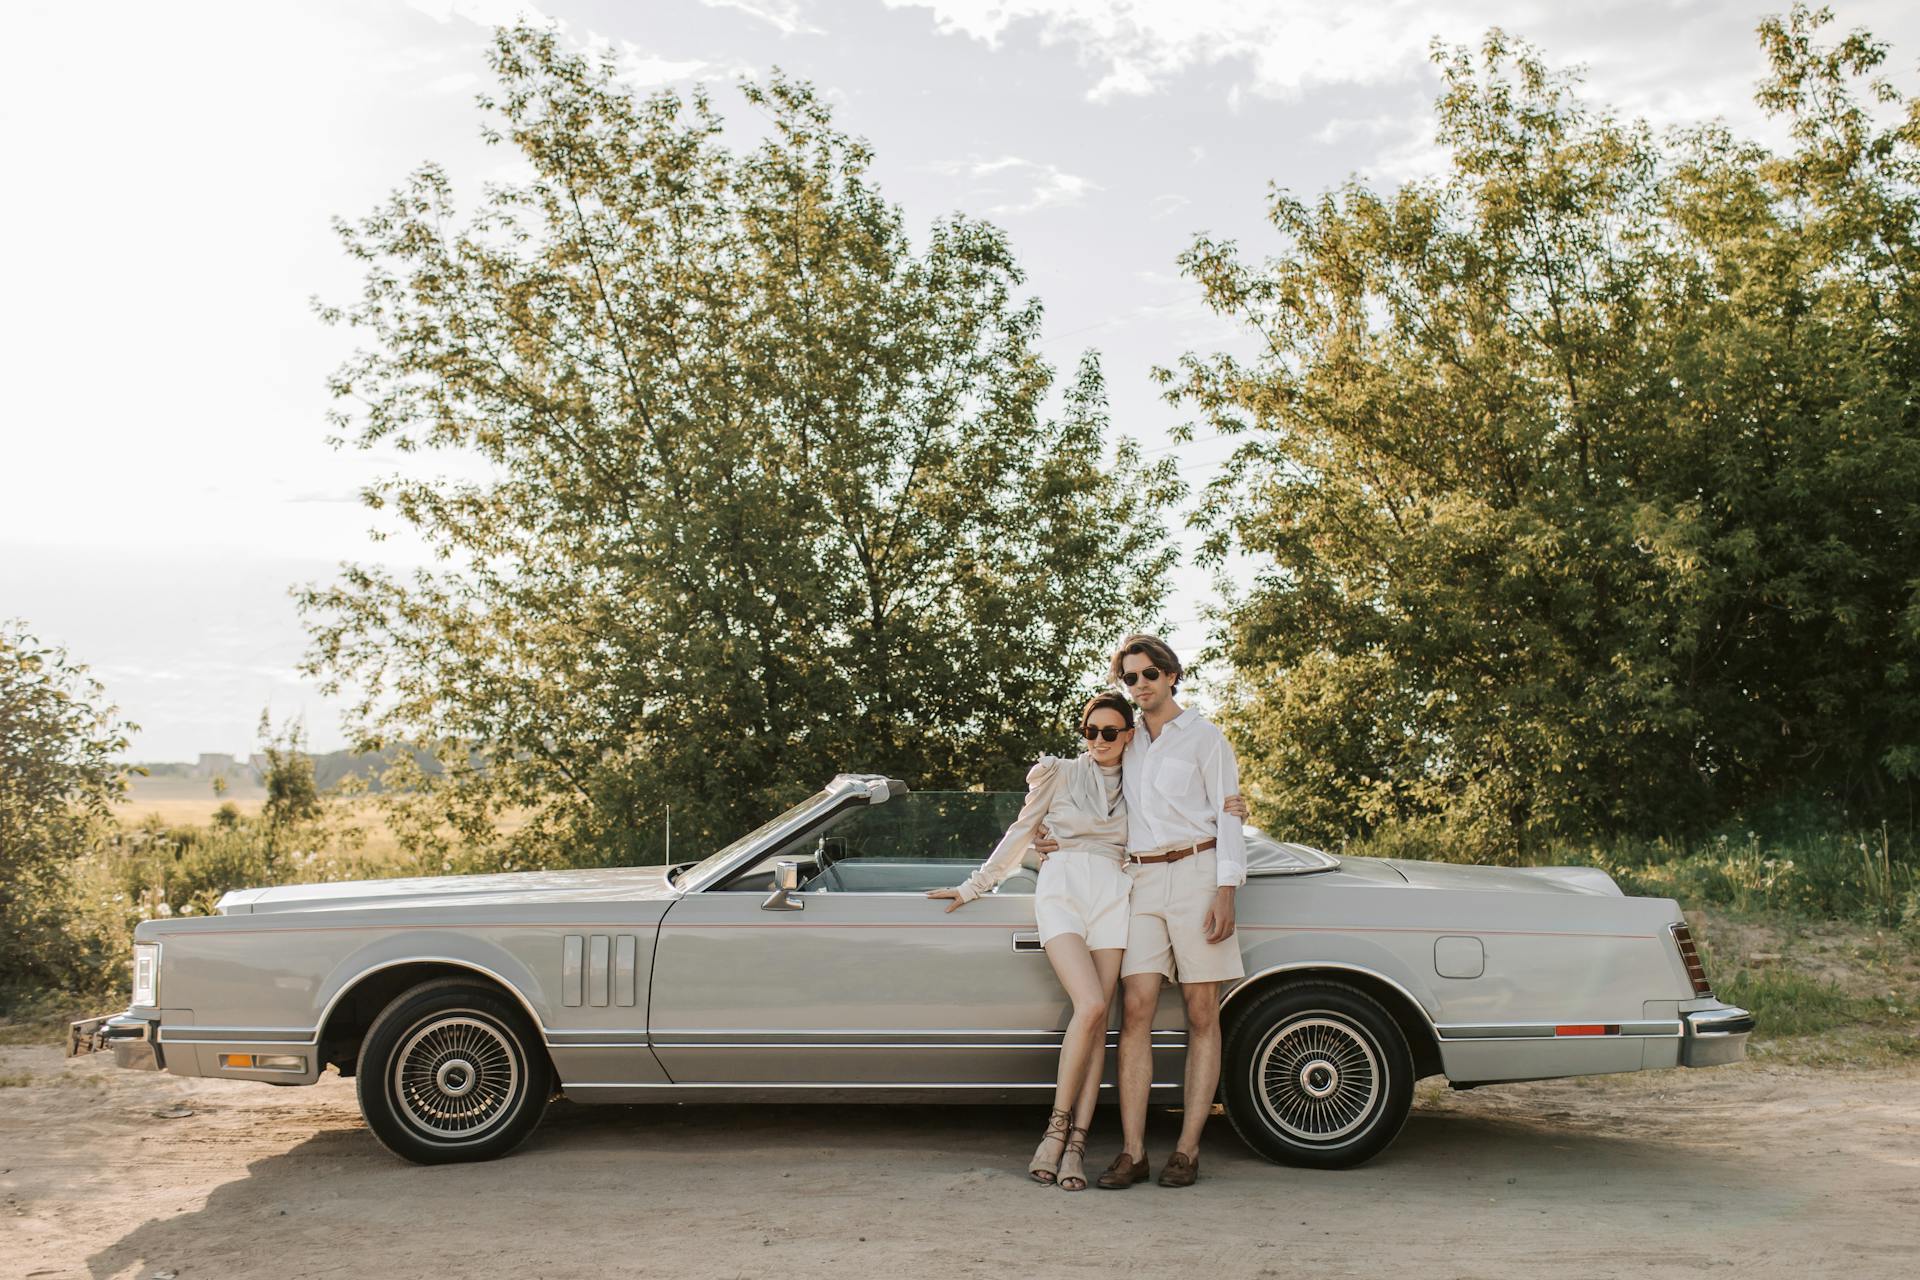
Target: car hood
(1477, 879)
(613, 884)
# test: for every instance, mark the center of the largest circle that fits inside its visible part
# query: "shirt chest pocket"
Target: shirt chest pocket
(1177, 780)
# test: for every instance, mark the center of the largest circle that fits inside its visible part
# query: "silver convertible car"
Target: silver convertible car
(802, 961)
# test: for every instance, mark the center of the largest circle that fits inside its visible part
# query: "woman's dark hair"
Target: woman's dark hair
(1110, 702)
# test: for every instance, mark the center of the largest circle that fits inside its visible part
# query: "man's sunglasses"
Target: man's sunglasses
(1105, 732)
(1132, 678)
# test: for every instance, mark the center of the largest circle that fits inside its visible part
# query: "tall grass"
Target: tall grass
(83, 921)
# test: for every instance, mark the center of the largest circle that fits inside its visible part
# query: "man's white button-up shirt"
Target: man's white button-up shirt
(1175, 785)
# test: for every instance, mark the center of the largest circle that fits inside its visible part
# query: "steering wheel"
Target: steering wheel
(829, 850)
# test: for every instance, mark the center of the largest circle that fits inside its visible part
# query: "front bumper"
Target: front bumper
(1715, 1036)
(134, 1041)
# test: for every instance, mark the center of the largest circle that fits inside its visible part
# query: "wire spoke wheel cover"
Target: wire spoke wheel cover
(1318, 1078)
(456, 1076)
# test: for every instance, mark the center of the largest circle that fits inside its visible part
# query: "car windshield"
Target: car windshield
(1269, 857)
(924, 840)
(712, 862)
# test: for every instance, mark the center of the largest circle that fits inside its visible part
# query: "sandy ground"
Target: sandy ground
(1754, 1170)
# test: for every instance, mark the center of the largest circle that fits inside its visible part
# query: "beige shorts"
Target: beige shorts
(1164, 932)
(1084, 893)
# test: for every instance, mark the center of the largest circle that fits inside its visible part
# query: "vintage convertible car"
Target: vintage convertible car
(803, 961)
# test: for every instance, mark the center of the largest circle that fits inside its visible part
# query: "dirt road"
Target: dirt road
(1745, 1171)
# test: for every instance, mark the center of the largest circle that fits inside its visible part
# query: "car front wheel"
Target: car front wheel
(451, 1071)
(1318, 1075)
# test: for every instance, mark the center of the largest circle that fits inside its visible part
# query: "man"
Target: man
(1186, 856)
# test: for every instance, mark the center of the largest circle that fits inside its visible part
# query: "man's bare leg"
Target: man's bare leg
(1203, 1061)
(1140, 996)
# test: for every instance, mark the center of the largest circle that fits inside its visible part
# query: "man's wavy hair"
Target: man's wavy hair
(1156, 651)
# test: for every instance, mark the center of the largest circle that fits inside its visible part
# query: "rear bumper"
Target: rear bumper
(133, 1041)
(1715, 1036)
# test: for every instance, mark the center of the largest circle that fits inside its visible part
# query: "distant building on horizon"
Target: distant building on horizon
(224, 764)
(212, 763)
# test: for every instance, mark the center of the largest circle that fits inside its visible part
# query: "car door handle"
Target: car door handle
(1028, 942)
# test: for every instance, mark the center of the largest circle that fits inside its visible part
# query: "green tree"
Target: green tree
(753, 491)
(292, 796)
(60, 772)
(1587, 476)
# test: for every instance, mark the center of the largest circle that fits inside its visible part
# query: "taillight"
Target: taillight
(1690, 956)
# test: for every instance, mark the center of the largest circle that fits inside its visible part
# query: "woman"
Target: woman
(1080, 904)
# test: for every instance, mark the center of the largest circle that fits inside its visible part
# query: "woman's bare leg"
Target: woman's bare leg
(1106, 963)
(1073, 1174)
(1073, 965)
(1088, 980)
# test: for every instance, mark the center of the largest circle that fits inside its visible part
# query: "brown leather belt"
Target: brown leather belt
(1173, 855)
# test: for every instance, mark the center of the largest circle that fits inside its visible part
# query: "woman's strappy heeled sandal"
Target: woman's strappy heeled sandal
(1042, 1170)
(1073, 1157)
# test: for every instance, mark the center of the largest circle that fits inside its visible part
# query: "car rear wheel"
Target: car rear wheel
(451, 1071)
(1318, 1075)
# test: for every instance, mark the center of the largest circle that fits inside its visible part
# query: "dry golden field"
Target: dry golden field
(184, 801)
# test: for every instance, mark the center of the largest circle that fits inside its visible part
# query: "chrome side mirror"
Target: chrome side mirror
(786, 880)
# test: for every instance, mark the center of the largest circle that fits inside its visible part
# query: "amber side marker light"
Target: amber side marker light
(1588, 1029)
(1690, 956)
(263, 1061)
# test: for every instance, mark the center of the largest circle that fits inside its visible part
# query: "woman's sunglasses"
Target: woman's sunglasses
(1132, 678)
(1105, 732)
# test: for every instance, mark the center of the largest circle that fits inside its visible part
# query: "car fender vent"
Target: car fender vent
(594, 966)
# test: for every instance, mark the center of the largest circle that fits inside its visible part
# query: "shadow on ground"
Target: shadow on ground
(718, 1190)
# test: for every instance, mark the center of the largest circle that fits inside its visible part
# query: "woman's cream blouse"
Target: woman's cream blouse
(1078, 799)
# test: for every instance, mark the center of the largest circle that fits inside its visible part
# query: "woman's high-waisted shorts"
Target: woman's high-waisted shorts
(1084, 893)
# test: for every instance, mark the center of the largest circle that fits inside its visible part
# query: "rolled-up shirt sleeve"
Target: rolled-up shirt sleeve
(1013, 846)
(1221, 774)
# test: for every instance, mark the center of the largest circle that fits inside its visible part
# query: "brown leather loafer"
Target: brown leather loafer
(1122, 1173)
(1179, 1171)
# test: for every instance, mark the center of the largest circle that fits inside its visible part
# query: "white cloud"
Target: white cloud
(485, 13)
(636, 66)
(786, 15)
(646, 71)
(1288, 45)
(1164, 206)
(1669, 61)
(1050, 185)
(454, 82)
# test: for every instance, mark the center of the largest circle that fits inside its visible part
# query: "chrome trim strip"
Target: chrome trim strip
(1658, 1030)
(1053, 1047)
(599, 1035)
(277, 1044)
(665, 1037)
(201, 1031)
(833, 1084)
(1047, 1040)
(1603, 1039)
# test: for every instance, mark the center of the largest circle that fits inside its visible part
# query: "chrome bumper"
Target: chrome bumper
(1715, 1037)
(135, 1042)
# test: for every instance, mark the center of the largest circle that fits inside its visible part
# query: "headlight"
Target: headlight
(146, 973)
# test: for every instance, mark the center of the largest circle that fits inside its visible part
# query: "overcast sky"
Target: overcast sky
(175, 167)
